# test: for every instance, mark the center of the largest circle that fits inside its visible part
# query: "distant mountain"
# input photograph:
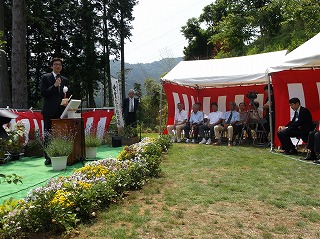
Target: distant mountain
(138, 73)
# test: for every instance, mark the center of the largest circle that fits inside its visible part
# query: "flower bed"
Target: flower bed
(65, 201)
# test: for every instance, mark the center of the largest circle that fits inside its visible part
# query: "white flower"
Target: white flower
(65, 89)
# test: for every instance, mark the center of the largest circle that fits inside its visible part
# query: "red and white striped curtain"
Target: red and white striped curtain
(96, 120)
(303, 84)
(188, 96)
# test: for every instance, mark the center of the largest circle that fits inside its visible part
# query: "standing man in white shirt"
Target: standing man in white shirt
(180, 119)
(130, 106)
(214, 118)
(195, 121)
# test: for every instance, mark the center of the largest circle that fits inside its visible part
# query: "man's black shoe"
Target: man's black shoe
(310, 157)
(291, 152)
(316, 161)
(48, 161)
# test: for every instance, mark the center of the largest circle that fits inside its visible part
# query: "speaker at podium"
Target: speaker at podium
(71, 122)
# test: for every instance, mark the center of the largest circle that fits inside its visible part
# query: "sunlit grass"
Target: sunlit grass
(219, 192)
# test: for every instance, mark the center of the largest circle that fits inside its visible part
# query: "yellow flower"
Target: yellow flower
(92, 171)
(62, 198)
(85, 185)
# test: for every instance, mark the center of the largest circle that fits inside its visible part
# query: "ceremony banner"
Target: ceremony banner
(117, 102)
(97, 119)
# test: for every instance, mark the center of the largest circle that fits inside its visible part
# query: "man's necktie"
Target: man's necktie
(295, 117)
(57, 76)
(229, 119)
(131, 105)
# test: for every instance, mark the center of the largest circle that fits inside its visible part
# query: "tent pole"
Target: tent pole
(270, 114)
(160, 111)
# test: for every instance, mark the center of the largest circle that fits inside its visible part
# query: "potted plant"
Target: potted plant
(58, 149)
(129, 135)
(92, 142)
(3, 156)
(34, 146)
(15, 140)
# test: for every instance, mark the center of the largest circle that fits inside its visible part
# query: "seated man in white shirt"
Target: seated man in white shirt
(214, 118)
(196, 119)
(180, 119)
(229, 121)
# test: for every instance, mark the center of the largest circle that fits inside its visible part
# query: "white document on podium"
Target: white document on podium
(72, 106)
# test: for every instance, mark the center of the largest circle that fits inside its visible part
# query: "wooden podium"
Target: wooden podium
(76, 127)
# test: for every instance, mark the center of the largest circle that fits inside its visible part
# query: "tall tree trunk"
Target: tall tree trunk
(123, 81)
(18, 58)
(107, 77)
(5, 97)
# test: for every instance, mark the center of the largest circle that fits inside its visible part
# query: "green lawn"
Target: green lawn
(218, 192)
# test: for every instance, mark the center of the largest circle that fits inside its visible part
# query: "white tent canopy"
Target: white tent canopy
(227, 71)
(307, 55)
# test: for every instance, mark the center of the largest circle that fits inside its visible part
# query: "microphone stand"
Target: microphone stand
(83, 149)
(83, 158)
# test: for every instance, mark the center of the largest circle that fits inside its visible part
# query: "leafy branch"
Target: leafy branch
(14, 178)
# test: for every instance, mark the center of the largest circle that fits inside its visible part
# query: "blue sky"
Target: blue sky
(157, 26)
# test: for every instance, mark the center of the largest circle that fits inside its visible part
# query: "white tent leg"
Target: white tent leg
(270, 114)
(160, 111)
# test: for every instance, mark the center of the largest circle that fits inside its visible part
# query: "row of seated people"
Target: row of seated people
(234, 122)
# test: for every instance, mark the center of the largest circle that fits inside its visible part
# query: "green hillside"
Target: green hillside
(138, 73)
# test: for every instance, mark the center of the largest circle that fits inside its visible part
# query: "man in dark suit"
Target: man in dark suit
(51, 88)
(300, 126)
(130, 107)
(314, 147)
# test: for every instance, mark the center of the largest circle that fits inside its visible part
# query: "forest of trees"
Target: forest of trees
(229, 28)
(85, 33)
(88, 33)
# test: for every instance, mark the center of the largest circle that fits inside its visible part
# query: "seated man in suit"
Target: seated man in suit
(299, 126)
(214, 118)
(196, 119)
(314, 147)
(229, 122)
(180, 119)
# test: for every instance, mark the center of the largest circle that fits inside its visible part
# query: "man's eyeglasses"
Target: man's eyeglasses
(57, 64)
